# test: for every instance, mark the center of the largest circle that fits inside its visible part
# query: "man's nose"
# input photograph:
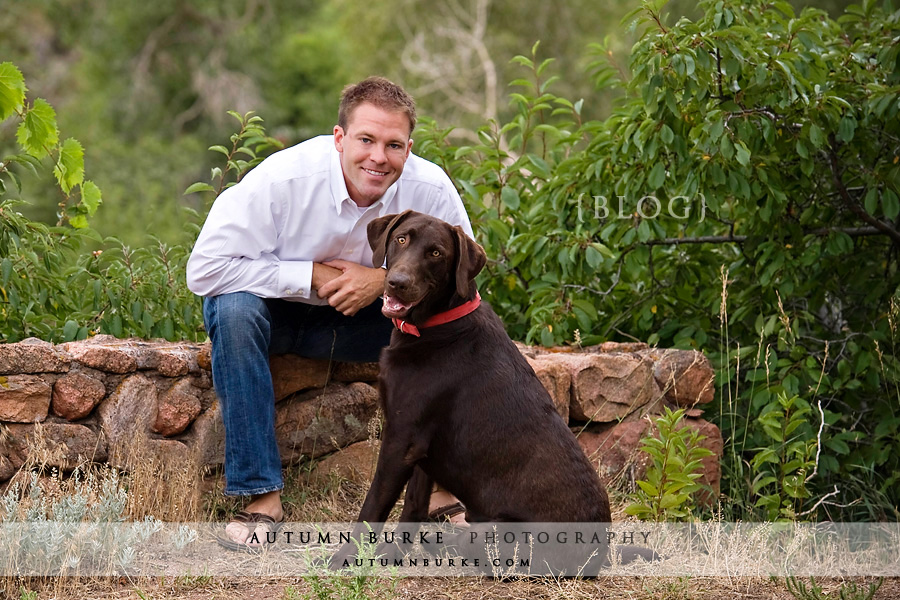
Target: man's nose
(377, 153)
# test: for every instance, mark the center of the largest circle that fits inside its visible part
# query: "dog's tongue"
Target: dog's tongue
(393, 308)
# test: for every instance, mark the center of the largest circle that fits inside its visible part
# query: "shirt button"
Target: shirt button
(288, 292)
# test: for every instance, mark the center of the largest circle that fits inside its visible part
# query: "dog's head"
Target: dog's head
(431, 264)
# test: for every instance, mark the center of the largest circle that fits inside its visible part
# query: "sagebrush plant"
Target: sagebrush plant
(669, 490)
(757, 141)
(80, 529)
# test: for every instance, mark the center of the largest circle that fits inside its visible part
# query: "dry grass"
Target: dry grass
(175, 490)
(436, 588)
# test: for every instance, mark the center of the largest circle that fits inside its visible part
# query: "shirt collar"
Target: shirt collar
(339, 192)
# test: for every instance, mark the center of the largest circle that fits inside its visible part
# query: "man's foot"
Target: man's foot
(262, 516)
(444, 507)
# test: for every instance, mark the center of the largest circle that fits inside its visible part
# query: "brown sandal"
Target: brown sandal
(252, 520)
(445, 513)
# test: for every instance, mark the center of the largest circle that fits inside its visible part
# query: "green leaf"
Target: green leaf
(816, 136)
(726, 147)
(510, 197)
(648, 488)
(199, 187)
(69, 170)
(91, 197)
(666, 134)
(541, 167)
(890, 204)
(115, 326)
(167, 328)
(846, 129)
(871, 201)
(657, 176)
(743, 153)
(12, 90)
(5, 271)
(78, 221)
(589, 309)
(70, 331)
(38, 132)
(593, 257)
(547, 337)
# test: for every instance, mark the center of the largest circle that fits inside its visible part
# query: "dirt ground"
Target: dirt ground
(440, 588)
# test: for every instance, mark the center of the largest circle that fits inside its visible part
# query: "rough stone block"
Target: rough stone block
(615, 452)
(319, 422)
(76, 394)
(105, 353)
(126, 416)
(61, 445)
(24, 398)
(354, 463)
(686, 377)
(174, 361)
(32, 356)
(206, 436)
(292, 373)
(556, 377)
(177, 408)
(609, 387)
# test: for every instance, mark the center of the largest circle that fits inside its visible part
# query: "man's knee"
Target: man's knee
(239, 316)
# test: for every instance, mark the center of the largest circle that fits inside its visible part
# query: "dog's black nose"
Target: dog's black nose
(398, 282)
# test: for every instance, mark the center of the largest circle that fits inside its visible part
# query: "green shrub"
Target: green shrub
(669, 490)
(65, 282)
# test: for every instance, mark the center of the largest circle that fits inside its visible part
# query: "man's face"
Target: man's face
(373, 150)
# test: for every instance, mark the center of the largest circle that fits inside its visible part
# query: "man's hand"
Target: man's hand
(347, 286)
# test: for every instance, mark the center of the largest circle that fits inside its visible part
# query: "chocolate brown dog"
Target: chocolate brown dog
(462, 407)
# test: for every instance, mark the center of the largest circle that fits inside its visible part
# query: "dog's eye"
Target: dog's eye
(401, 239)
(436, 253)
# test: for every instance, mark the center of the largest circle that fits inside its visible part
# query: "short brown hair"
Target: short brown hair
(384, 94)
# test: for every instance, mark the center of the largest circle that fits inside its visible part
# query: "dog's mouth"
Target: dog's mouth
(394, 308)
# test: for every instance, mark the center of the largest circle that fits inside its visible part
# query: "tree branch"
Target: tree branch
(854, 206)
(740, 239)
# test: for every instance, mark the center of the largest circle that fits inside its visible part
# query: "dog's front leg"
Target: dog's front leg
(415, 511)
(396, 462)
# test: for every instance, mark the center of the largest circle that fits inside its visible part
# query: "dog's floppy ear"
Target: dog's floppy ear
(378, 232)
(470, 260)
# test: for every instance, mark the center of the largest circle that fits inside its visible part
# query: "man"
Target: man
(284, 265)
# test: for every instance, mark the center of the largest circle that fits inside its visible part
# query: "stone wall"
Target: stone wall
(105, 399)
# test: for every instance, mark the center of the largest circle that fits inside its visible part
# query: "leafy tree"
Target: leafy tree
(743, 197)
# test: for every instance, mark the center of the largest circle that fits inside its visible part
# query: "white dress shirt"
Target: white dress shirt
(263, 235)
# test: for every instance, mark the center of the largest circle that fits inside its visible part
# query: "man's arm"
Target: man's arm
(348, 286)
(235, 249)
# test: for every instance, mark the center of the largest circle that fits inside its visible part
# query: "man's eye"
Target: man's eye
(401, 239)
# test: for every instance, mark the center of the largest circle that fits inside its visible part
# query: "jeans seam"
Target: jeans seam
(254, 491)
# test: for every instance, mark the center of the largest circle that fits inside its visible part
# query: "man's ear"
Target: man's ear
(338, 138)
(379, 232)
(470, 259)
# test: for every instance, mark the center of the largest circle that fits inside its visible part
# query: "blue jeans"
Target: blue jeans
(244, 330)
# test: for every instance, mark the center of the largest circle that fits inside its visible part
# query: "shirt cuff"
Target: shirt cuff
(295, 279)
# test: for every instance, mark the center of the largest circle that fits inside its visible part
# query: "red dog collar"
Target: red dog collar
(440, 318)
